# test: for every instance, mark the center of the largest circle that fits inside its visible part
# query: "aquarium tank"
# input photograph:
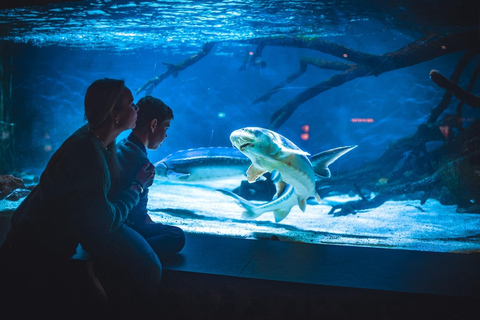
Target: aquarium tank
(376, 104)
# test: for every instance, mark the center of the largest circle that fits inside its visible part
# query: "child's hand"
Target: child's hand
(145, 175)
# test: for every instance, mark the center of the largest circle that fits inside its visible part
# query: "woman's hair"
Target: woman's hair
(152, 108)
(104, 97)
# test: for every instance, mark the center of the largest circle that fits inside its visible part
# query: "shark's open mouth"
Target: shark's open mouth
(246, 145)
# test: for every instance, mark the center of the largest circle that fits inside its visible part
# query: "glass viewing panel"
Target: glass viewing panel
(322, 74)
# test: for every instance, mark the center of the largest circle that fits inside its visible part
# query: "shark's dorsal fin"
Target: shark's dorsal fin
(322, 160)
(253, 173)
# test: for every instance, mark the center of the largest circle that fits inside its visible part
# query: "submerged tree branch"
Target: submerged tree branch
(304, 62)
(447, 97)
(469, 89)
(461, 94)
(331, 48)
(172, 69)
(368, 64)
(364, 204)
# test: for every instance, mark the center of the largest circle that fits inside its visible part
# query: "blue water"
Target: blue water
(60, 49)
(128, 25)
(57, 50)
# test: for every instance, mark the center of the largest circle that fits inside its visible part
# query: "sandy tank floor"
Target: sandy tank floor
(395, 224)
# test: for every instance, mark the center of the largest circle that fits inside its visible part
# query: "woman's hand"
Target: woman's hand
(145, 175)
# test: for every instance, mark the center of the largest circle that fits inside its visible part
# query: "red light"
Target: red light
(305, 128)
(250, 53)
(345, 55)
(445, 130)
(304, 136)
(363, 120)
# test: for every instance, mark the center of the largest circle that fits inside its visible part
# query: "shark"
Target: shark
(293, 171)
(202, 164)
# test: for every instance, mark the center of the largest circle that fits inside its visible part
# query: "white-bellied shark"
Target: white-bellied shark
(202, 164)
(293, 173)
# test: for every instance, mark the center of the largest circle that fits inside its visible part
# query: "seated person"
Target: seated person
(153, 121)
(73, 204)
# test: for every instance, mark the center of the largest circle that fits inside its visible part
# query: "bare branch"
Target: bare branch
(304, 62)
(172, 69)
(461, 94)
(447, 97)
(367, 64)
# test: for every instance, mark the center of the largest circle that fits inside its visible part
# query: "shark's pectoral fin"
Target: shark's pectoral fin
(280, 186)
(280, 214)
(253, 173)
(302, 203)
(173, 175)
(317, 197)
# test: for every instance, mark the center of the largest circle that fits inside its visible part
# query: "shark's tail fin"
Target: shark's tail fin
(249, 212)
(322, 160)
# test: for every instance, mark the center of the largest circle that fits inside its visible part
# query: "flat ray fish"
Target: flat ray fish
(293, 173)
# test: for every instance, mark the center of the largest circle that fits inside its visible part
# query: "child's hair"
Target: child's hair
(152, 108)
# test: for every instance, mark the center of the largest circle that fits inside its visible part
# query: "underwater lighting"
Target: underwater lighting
(362, 120)
(305, 135)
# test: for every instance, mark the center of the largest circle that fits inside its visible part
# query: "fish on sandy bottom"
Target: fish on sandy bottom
(202, 164)
(293, 172)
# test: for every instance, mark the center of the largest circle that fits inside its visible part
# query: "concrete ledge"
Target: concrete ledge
(446, 274)
(227, 278)
(186, 295)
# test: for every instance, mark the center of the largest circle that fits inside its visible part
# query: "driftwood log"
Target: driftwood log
(454, 165)
(364, 64)
(461, 94)
(407, 166)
